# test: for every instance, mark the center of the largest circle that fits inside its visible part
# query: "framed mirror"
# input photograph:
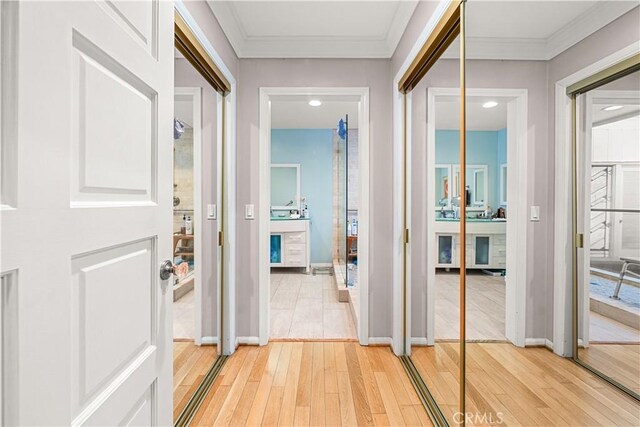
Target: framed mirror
(285, 186)
(443, 186)
(503, 184)
(476, 181)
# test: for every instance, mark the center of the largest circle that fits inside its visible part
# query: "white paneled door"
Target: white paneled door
(87, 108)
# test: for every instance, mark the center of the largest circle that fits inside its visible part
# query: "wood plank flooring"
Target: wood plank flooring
(312, 383)
(190, 364)
(619, 361)
(522, 386)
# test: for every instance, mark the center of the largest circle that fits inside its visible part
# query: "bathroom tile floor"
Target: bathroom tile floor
(183, 320)
(304, 306)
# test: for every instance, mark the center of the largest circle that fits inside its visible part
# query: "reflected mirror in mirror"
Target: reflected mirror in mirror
(609, 289)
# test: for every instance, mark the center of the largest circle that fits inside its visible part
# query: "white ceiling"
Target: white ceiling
(478, 118)
(533, 30)
(313, 29)
(298, 114)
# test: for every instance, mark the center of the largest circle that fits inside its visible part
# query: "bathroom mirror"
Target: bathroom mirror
(285, 186)
(476, 181)
(503, 184)
(443, 185)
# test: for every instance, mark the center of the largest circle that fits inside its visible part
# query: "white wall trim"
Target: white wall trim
(247, 341)
(401, 344)
(563, 253)
(380, 341)
(195, 96)
(209, 341)
(229, 204)
(517, 194)
(537, 342)
(264, 160)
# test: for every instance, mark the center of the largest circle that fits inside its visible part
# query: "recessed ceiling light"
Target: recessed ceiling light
(315, 103)
(612, 108)
(489, 104)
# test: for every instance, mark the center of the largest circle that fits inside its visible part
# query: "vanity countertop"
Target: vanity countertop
(472, 219)
(286, 218)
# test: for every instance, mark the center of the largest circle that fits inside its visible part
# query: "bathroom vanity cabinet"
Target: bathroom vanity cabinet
(290, 243)
(486, 244)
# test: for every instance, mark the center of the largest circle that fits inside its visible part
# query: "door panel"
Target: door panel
(87, 229)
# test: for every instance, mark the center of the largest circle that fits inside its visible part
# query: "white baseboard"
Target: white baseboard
(321, 264)
(538, 342)
(247, 341)
(209, 341)
(419, 341)
(380, 341)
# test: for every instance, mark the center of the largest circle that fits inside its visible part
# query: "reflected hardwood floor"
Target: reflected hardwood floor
(619, 361)
(527, 386)
(190, 364)
(312, 383)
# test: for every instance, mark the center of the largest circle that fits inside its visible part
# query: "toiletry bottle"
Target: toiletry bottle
(354, 228)
(348, 228)
(183, 229)
(189, 225)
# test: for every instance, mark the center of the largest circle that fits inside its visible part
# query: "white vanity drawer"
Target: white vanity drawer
(293, 238)
(293, 249)
(500, 239)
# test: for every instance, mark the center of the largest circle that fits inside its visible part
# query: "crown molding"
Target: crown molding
(544, 49)
(323, 46)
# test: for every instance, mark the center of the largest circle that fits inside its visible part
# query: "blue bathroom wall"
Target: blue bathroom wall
(313, 150)
(483, 148)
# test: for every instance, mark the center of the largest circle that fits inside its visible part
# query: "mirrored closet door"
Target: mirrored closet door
(607, 217)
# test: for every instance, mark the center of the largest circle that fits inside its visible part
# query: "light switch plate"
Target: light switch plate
(535, 213)
(212, 212)
(249, 212)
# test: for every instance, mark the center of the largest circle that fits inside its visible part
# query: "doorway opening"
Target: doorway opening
(309, 174)
(495, 293)
(314, 213)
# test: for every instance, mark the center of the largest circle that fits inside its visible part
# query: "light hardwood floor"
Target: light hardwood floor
(619, 361)
(312, 383)
(190, 364)
(523, 386)
(307, 306)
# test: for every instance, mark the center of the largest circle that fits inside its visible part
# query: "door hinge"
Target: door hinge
(406, 235)
(220, 238)
(579, 240)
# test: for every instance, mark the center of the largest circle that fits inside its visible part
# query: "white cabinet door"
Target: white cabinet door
(87, 107)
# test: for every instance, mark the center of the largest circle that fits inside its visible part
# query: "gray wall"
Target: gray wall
(256, 73)
(186, 75)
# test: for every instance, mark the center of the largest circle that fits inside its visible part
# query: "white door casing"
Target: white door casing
(91, 218)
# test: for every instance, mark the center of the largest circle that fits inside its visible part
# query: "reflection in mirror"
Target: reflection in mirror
(608, 153)
(285, 186)
(435, 296)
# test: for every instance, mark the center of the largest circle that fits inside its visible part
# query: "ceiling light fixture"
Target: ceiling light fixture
(612, 108)
(315, 103)
(490, 104)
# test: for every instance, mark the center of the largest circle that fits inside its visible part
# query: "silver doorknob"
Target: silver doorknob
(167, 269)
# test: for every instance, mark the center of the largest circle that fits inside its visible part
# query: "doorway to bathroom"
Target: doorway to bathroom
(495, 212)
(312, 213)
